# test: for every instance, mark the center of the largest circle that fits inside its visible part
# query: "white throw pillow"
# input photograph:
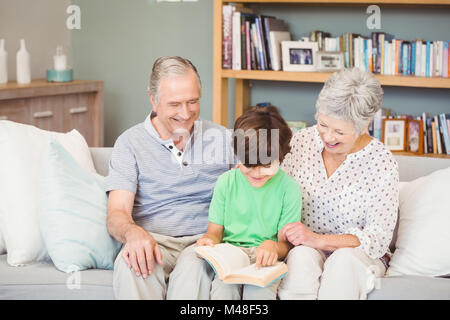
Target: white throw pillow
(72, 214)
(422, 246)
(22, 148)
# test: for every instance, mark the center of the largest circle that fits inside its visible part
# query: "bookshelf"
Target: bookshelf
(242, 77)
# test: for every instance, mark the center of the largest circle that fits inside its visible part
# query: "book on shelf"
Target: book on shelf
(445, 132)
(276, 37)
(250, 43)
(232, 265)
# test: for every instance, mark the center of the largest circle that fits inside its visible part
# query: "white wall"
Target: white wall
(42, 23)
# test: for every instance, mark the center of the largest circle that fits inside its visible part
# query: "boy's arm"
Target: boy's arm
(212, 236)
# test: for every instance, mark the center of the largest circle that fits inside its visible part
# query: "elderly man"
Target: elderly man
(161, 176)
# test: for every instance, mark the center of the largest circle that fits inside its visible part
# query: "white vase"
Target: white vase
(3, 62)
(23, 64)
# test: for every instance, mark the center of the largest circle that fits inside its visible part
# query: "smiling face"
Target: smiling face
(339, 136)
(178, 106)
(258, 176)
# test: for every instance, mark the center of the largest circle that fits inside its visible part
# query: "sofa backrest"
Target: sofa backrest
(410, 167)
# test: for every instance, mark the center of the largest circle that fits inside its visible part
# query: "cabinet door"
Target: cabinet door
(46, 112)
(15, 110)
(79, 113)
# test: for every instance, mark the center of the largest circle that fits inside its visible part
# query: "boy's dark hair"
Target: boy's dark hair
(257, 128)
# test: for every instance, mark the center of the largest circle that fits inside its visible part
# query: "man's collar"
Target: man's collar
(148, 125)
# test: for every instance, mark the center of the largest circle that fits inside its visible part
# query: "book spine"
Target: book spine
(441, 58)
(438, 135)
(413, 58)
(243, 44)
(445, 132)
(429, 122)
(424, 126)
(428, 59)
(374, 51)
(424, 60)
(405, 59)
(255, 49)
(236, 47)
(248, 45)
(445, 60)
(227, 12)
(369, 54)
(433, 135)
(260, 40)
(448, 125)
(269, 46)
(381, 42)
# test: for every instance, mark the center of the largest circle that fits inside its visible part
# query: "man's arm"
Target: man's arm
(140, 248)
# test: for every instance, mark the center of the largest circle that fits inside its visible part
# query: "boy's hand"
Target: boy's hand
(266, 254)
(205, 241)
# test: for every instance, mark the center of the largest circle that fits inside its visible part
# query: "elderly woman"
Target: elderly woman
(349, 183)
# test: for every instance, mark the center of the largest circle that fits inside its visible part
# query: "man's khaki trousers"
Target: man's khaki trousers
(181, 276)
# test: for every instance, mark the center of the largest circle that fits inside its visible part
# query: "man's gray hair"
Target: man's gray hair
(169, 66)
(351, 94)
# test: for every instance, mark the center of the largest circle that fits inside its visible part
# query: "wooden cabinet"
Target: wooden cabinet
(57, 107)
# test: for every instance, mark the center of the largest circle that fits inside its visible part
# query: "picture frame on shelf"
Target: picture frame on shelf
(414, 137)
(300, 56)
(394, 134)
(330, 61)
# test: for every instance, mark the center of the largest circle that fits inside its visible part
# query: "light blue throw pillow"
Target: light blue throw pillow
(72, 214)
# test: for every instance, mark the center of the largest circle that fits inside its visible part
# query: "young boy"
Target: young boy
(253, 202)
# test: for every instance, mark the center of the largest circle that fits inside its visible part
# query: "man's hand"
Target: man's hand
(266, 254)
(140, 251)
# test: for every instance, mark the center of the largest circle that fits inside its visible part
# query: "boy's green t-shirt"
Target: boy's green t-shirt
(252, 215)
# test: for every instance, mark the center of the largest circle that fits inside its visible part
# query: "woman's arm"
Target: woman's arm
(298, 234)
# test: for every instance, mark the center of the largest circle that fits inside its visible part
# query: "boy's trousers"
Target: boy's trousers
(224, 291)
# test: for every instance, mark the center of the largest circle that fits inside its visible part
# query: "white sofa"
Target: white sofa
(44, 281)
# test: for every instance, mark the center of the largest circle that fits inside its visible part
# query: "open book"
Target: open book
(232, 265)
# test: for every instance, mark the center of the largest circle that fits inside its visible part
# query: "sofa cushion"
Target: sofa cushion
(41, 280)
(21, 150)
(422, 242)
(72, 214)
(411, 288)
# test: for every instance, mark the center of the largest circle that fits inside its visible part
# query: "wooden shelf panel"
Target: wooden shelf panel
(340, 2)
(425, 155)
(321, 77)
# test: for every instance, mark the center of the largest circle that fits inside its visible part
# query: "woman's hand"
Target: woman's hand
(266, 254)
(298, 234)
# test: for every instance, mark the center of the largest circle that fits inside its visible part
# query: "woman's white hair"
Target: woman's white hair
(169, 66)
(351, 94)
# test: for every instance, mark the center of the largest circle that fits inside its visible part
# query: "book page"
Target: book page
(229, 257)
(260, 277)
(262, 272)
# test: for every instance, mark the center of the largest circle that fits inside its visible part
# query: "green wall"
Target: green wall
(119, 41)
